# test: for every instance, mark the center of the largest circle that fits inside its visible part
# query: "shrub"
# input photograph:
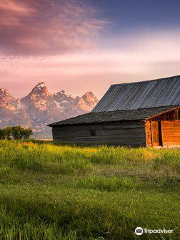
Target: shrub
(17, 133)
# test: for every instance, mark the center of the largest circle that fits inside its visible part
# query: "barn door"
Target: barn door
(171, 133)
(156, 133)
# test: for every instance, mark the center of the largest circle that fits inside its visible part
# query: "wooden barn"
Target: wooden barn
(130, 114)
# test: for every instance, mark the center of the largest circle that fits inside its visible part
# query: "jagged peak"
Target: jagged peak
(40, 85)
(3, 90)
(29, 109)
(89, 96)
(39, 91)
(89, 93)
(40, 88)
(62, 92)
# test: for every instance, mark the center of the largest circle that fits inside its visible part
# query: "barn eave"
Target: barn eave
(114, 116)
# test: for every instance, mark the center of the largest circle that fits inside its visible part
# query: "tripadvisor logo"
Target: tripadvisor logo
(139, 231)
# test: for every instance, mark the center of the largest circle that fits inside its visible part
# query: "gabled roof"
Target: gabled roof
(137, 95)
(113, 116)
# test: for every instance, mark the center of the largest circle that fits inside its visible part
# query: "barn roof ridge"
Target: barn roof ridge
(144, 81)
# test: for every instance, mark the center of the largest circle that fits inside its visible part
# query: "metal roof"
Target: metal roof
(137, 95)
(113, 116)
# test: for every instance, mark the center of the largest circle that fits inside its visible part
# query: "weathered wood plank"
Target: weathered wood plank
(171, 133)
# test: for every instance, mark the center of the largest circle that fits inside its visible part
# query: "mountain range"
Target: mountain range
(40, 107)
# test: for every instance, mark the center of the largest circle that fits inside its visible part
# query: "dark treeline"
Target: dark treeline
(17, 133)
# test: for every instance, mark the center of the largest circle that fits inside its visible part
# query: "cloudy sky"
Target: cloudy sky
(82, 45)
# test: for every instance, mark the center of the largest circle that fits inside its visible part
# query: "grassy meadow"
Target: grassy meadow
(50, 192)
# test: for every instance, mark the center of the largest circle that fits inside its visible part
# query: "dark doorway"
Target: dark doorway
(160, 133)
(156, 129)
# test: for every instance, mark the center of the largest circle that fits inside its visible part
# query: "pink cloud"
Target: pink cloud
(147, 57)
(31, 27)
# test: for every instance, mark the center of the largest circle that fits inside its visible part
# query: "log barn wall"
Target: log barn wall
(148, 134)
(129, 133)
(170, 129)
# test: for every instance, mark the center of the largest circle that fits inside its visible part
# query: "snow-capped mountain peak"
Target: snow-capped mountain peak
(40, 89)
(40, 85)
(2, 90)
(41, 107)
(7, 101)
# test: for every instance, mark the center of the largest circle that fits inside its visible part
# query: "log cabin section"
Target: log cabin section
(124, 133)
(163, 130)
(134, 114)
(153, 127)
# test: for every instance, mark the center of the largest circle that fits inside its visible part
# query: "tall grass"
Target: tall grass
(68, 192)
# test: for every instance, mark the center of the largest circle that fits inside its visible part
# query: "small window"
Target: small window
(93, 133)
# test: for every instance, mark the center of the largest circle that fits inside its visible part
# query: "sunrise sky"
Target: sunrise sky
(83, 45)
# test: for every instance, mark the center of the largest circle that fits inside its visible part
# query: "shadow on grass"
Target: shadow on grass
(33, 219)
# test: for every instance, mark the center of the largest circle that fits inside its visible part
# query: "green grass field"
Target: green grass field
(66, 192)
